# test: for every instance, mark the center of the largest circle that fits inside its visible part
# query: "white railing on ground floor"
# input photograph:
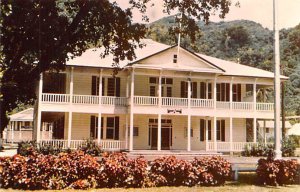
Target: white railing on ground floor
(55, 98)
(112, 144)
(76, 144)
(235, 146)
(145, 100)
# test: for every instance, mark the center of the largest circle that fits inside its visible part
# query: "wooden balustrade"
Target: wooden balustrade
(145, 100)
(85, 99)
(55, 98)
(223, 105)
(265, 106)
(248, 106)
(174, 101)
(202, 103)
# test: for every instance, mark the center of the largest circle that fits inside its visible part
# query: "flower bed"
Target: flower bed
(81, 171)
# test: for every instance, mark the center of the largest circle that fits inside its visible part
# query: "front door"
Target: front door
(166, 134)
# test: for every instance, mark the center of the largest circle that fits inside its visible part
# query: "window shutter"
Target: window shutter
(218, 92)
(227, 90)
(202, 129)
(209, 129)
(92, 126)
(118, 86)
(218, 130)
(183, 88)
(102, 123)
(239, 92)
(94, 83)
(103, 86)
(223, 130)
(194, 89)
(117, 128)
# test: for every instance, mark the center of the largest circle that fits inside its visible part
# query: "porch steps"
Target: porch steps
(188, 155)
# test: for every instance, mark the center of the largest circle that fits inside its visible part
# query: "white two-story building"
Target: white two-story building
(168, 98)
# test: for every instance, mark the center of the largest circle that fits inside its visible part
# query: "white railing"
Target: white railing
(203, 103)
(223, 146)
(112, 144)
(265, 106)
(223, 105)
(76, 144)
(210, 146)
(145, 100)
(55, 98)
(57, 143)
(85, 99)
(174, 101)
(248, 106)
(108, 100)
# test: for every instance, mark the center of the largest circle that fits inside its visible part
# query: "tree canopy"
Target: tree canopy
(38, 36)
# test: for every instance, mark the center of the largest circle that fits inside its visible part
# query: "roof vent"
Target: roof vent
(175, 58)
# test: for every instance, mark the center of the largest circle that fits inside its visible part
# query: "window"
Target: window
(223, 92)
(186, 131)
(135, 131)
(152, 91)
(95, 85)
(202, 129)
(174, 58)
(94, 127)
(202, 90)
(153, 80)
(209, 129)
(236, 92)
(110, 128)
(267, 130)
(184, 89)
(113, 87)
(221, 130)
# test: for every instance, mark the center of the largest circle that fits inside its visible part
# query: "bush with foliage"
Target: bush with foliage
(39, 171)
(91, 147)
(170, 171)
(26, 148)
(277, 172)
(212, 171)
(117, 170)
(288, 147)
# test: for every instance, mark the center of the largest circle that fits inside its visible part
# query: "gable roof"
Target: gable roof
(91, 58)
(25, 115)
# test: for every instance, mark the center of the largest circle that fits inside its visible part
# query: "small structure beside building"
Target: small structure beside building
(20, 127)
(266, 128)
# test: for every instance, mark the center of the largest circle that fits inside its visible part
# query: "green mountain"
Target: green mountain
(245, 42)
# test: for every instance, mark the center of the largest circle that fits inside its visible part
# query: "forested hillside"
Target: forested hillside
(245, 42)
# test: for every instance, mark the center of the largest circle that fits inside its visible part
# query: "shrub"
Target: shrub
(48, 171)
(91, 148)
(276, 172)
(288, 147)
(212, 171)
(26, 148)
(170, 171)
(116, 170)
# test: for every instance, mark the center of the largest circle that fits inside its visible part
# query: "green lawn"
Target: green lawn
(245, 184)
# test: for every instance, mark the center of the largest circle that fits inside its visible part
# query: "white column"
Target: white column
(12, 132)
(126, 132)
(230, 133)
(254, 95)
(39, 112)
(254, 130)
(159, 113)
(215, 132)
(265, 135)
(230, 93)
(99, 128)
(70, 110)
(131, 111)
(206, 134)
(189, 117)
(159, 133)
(69, 128)
(206, 96)
(100, 88)
(215, 92)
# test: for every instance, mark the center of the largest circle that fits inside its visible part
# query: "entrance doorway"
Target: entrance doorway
(166, 133)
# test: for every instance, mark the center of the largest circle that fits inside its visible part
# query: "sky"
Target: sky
(260, 11)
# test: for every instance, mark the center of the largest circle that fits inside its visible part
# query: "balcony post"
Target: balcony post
(206, 134)
(230, 133)
(126, 132)
(254, 95)
(189, 117)
(131, 111)
(100, 88)
(159, 90)
(99, 128)
(230, 93)
(39, 111)
(215, 133)
(215, 92)
(71, 85)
